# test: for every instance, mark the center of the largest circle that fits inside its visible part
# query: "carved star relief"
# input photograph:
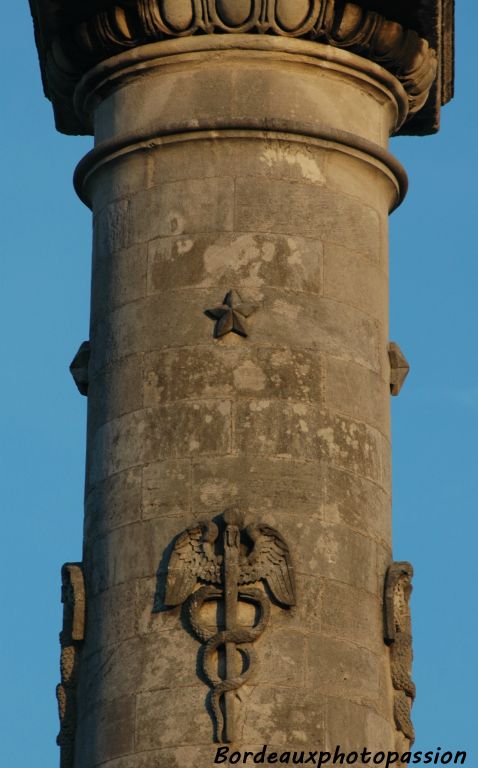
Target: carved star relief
(229, 316)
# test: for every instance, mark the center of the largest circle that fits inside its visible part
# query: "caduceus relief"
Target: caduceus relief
(250, 554)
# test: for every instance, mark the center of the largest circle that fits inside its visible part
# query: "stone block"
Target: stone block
(189, 429)
(339, 668)
(122, 333)
(277, 428)
(111, 618)
(351, 445)
(115, 391)
(174, 431)
(306, 321)
(122, 179)
(166, 718)
(124, 555)
(113, 503)
(356, 502)
(225, 371)
(166, 488)
(357, 392)
(281, 658)
(272, 427)
(247, 260)
(118, 278)
(250, 155)
(349, 277)
(184, 207)
(258, 484)
(143, 664)
(303, 431)
(386, 478)
(327, 551)
(106, 732)
(287, 718)
(311, 211)
(346, 725)
(119, 445)
(380, 733)
(350, 174)
(112, 229)
(352, 614)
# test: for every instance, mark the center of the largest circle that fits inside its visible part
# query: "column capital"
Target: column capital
(412, 39)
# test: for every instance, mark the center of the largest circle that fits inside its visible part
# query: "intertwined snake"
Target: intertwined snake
(240, 636)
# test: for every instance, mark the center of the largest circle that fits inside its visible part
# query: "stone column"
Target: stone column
(246, 171)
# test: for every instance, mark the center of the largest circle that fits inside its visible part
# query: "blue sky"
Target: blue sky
(44, 279)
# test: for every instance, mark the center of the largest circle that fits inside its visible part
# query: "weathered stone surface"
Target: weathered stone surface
(339, 668)
(122, 556)
(119, 277)
(116, 390)
(325, 325)
(350, 277)
(359, 503)
(292, 710)
(191, 429)
(362, 179)
(258, 483)
(133, 551)
(136, 665)
(119, 445)
(188, 429)
(106, 732)
(113, 503)
(131, 176)
(351, 614)
(119, 334)
(239, 372)
(311, 211)
(281, 659)
(354, 725)
(329, 551)
(302, 431)
(111, 618)
(164, 211)
(248, 260)
(166, 488)
(357, 392)
(291, 158)
(180, 712)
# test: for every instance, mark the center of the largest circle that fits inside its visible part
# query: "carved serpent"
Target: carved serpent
(240, 636)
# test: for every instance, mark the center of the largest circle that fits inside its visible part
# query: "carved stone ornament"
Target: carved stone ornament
(401, 36)
(71, 640)
(230, 315)
(227, 558)
(79, 368)
(399, 368)
(398, 635)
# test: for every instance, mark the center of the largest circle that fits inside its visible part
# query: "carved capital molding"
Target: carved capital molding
(414, 41)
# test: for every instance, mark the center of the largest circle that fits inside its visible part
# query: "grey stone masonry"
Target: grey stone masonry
(238, 360)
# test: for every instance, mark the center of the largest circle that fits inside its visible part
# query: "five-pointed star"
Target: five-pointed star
(229, 315)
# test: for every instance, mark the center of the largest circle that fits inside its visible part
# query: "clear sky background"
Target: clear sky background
(44, 278)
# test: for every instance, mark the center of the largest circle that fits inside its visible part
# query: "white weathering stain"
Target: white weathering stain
(243, 256)
(298, 157)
